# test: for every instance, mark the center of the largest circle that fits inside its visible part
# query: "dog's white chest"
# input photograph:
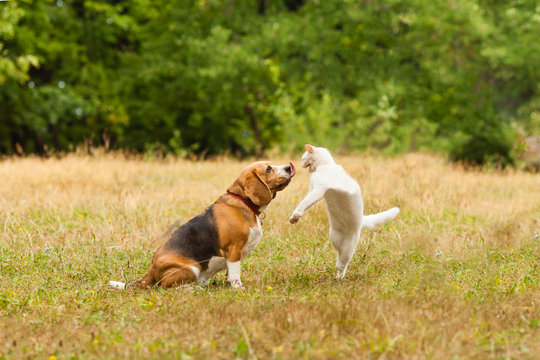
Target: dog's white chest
(255, 234)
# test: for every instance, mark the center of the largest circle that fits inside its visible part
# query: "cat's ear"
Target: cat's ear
(309, 149)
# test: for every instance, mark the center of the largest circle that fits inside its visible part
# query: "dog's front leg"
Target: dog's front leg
(233, 268)
(234, 274)
(311, 198)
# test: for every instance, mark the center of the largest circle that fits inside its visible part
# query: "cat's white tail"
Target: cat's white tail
(370, 221)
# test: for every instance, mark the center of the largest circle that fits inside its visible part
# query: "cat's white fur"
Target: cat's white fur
(343, 202)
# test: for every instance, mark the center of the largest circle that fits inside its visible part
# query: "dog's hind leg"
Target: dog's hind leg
(169, 270)
(175, 276)
(173, 270)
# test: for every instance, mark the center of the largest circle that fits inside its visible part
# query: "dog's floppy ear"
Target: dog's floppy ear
(256, 189)
(253, 187)
(237, 187)
(309, 149)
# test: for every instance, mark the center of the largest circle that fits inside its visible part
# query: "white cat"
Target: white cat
(343, 202)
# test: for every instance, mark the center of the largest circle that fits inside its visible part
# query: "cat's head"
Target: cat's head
(315, 156)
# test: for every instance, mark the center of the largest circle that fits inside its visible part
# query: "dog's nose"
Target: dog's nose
(288, 169)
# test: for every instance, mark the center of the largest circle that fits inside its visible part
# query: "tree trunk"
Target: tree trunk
(261, 7)
(259, 150)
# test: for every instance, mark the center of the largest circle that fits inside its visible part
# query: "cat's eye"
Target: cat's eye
(268, 169)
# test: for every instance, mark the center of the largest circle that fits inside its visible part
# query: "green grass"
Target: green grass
(456, 275)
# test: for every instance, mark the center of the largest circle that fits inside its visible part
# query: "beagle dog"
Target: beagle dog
(222, 235)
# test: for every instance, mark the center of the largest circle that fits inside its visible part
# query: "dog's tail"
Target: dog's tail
(121, 286)
(145, 282)
(370, 221)
(147, 279)
(117, 285)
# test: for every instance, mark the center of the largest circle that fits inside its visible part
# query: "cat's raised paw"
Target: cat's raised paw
(294, 219)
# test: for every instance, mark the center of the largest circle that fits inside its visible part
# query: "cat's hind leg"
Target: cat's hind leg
(345, 244)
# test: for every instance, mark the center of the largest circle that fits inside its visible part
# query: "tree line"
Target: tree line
(214, 76)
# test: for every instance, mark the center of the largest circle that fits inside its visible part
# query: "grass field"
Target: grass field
(456, 275)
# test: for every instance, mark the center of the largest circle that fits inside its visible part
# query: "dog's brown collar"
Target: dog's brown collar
(248, 203)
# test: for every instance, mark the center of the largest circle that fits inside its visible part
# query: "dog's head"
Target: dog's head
(260, 181)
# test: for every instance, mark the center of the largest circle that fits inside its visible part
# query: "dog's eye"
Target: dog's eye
(268, 169)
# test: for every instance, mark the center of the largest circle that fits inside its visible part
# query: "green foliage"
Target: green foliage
(12, 66)
(493, 147)
(210, 76)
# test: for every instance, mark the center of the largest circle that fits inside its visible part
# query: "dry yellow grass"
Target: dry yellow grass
(455, 275)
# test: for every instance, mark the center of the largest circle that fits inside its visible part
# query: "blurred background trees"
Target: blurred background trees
(213, 76)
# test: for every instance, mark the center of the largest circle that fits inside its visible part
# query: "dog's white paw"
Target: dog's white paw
(237, 284)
